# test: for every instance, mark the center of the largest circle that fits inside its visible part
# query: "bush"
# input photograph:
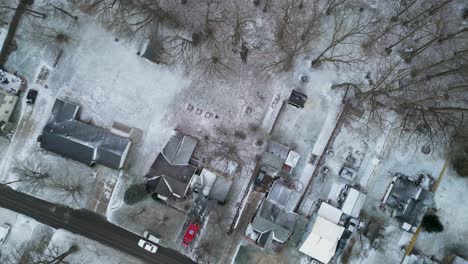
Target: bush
(135, 194)
(432, 224)
(461, 166)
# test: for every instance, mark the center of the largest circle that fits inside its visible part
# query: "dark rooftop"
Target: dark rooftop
(170, 173)
(410, 201)
(71, 138)
(297, 99)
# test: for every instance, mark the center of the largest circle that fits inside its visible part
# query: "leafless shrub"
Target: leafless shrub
(40, 251)
(349, 27)
(32, 174)
(69, 188)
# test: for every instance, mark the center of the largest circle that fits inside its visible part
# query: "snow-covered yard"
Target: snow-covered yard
(451, 210)
(27, 236)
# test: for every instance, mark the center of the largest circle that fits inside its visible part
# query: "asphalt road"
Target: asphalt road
(87, 224)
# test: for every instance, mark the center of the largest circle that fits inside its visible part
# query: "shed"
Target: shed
(291, 161)
(353, 203)
(297, 99)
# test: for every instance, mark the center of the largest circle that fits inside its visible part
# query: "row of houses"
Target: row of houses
(170, 176)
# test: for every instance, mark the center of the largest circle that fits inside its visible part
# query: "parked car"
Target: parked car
(4, 230)
(190, 234)
(31, 96)
(259, 180)
(151, 237)
(351, 227)
(150, 247)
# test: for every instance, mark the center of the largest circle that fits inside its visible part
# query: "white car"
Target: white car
(147, 246)
(151, 237)
(4, 230)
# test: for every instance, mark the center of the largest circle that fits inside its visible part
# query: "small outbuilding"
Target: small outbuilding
(297, 99)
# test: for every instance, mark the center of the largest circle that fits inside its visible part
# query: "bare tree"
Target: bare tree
(40, 251)
(295, 29)
(349, 27)
(61, 10)
(225, 150)
(130, 18)
(69, 187)
(33, 175)
(49, 35)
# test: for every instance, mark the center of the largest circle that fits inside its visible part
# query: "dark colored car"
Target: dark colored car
(31, 96)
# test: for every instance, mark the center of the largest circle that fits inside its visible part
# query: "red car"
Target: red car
(190, 234)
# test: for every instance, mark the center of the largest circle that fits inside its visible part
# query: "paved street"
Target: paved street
(85, 223)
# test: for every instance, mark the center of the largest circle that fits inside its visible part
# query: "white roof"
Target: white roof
(330, 213)
(459, 260)
(9, 82)
(208, 179)
(292, 159)
(321, 243)
(353, 203)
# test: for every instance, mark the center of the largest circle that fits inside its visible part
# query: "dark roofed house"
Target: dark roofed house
(409, 201)
(170, 175)
(273, 223)
(71, 138)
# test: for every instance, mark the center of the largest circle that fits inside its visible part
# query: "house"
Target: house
(10, 83)
(9, 87)
(279, 158)
(65, 135)
(171, 174)
(409, 201)
(321, 239)
(272, 222)
(323, 232)
(275, 155)
(7, 105)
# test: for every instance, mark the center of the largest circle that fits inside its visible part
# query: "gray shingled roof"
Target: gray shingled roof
(272, 218)
(410, 201)
(71, 138)
(170, 173)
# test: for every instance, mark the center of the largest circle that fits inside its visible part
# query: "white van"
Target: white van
(151, 237)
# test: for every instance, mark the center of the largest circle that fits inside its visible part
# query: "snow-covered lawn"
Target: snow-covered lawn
(26, 230)
(452, 211)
